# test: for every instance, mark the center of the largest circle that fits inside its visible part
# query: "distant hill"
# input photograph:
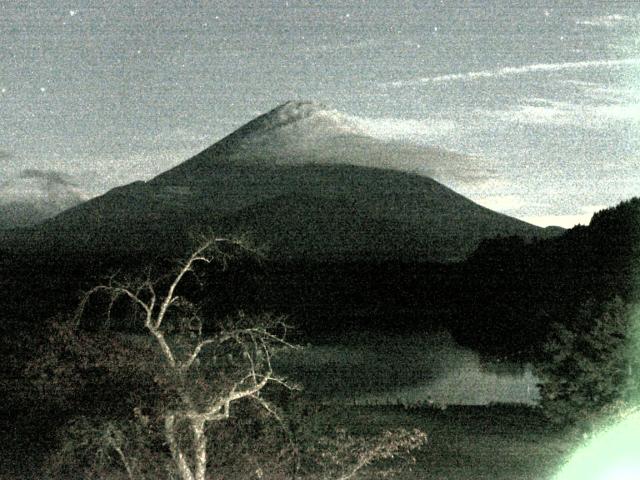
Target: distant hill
(34, 196)
(303, 180)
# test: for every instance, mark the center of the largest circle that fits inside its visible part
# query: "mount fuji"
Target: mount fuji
(305, 182)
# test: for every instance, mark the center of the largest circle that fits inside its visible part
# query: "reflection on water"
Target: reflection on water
(410, 371)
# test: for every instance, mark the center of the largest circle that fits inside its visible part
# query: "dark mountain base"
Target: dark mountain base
(500, 301)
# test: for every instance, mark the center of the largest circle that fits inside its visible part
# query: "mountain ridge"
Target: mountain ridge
(295, 204)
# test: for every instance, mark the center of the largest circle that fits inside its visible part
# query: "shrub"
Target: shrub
(587, 363)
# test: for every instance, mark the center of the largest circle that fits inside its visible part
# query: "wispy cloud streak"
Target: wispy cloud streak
(607, 21)
(519, 70)
(49, 177)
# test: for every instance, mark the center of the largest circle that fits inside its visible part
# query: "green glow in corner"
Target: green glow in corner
(612, 455)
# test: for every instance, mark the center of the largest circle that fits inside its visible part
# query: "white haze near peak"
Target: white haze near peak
(305, 132)
(314, 120)
(546, 94)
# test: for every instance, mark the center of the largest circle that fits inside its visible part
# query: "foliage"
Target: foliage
(343, 456)
(165, 393)
(73, 366)
(176, 371)
(98, 448)
(587, 364)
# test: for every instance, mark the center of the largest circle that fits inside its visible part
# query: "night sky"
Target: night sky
(545, 94)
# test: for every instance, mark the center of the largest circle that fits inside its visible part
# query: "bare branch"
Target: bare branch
(196, 351)
(196, 256)
(253, 337)
(116, 447)
(269, 408)
(115, 291)
(164, 346)
(234, 395)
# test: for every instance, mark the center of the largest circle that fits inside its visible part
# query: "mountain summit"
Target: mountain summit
(292, 112)
(298, 133)
(306, 182)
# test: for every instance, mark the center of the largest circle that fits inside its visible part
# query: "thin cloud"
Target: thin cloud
(502, 202)
(606, 21)
(35, 195)
(416, 131)
(564, 113)
(50, 177)
(601, 93)
(519, 70)
(553, 114)
(302, 133)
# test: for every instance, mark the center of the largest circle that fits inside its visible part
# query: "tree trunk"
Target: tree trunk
(176, 453)
(200, 449)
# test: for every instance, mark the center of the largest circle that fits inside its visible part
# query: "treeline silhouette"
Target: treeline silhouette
(500, 301)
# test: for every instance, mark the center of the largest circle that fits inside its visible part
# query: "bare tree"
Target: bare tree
(238, 356)
(181, 377)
